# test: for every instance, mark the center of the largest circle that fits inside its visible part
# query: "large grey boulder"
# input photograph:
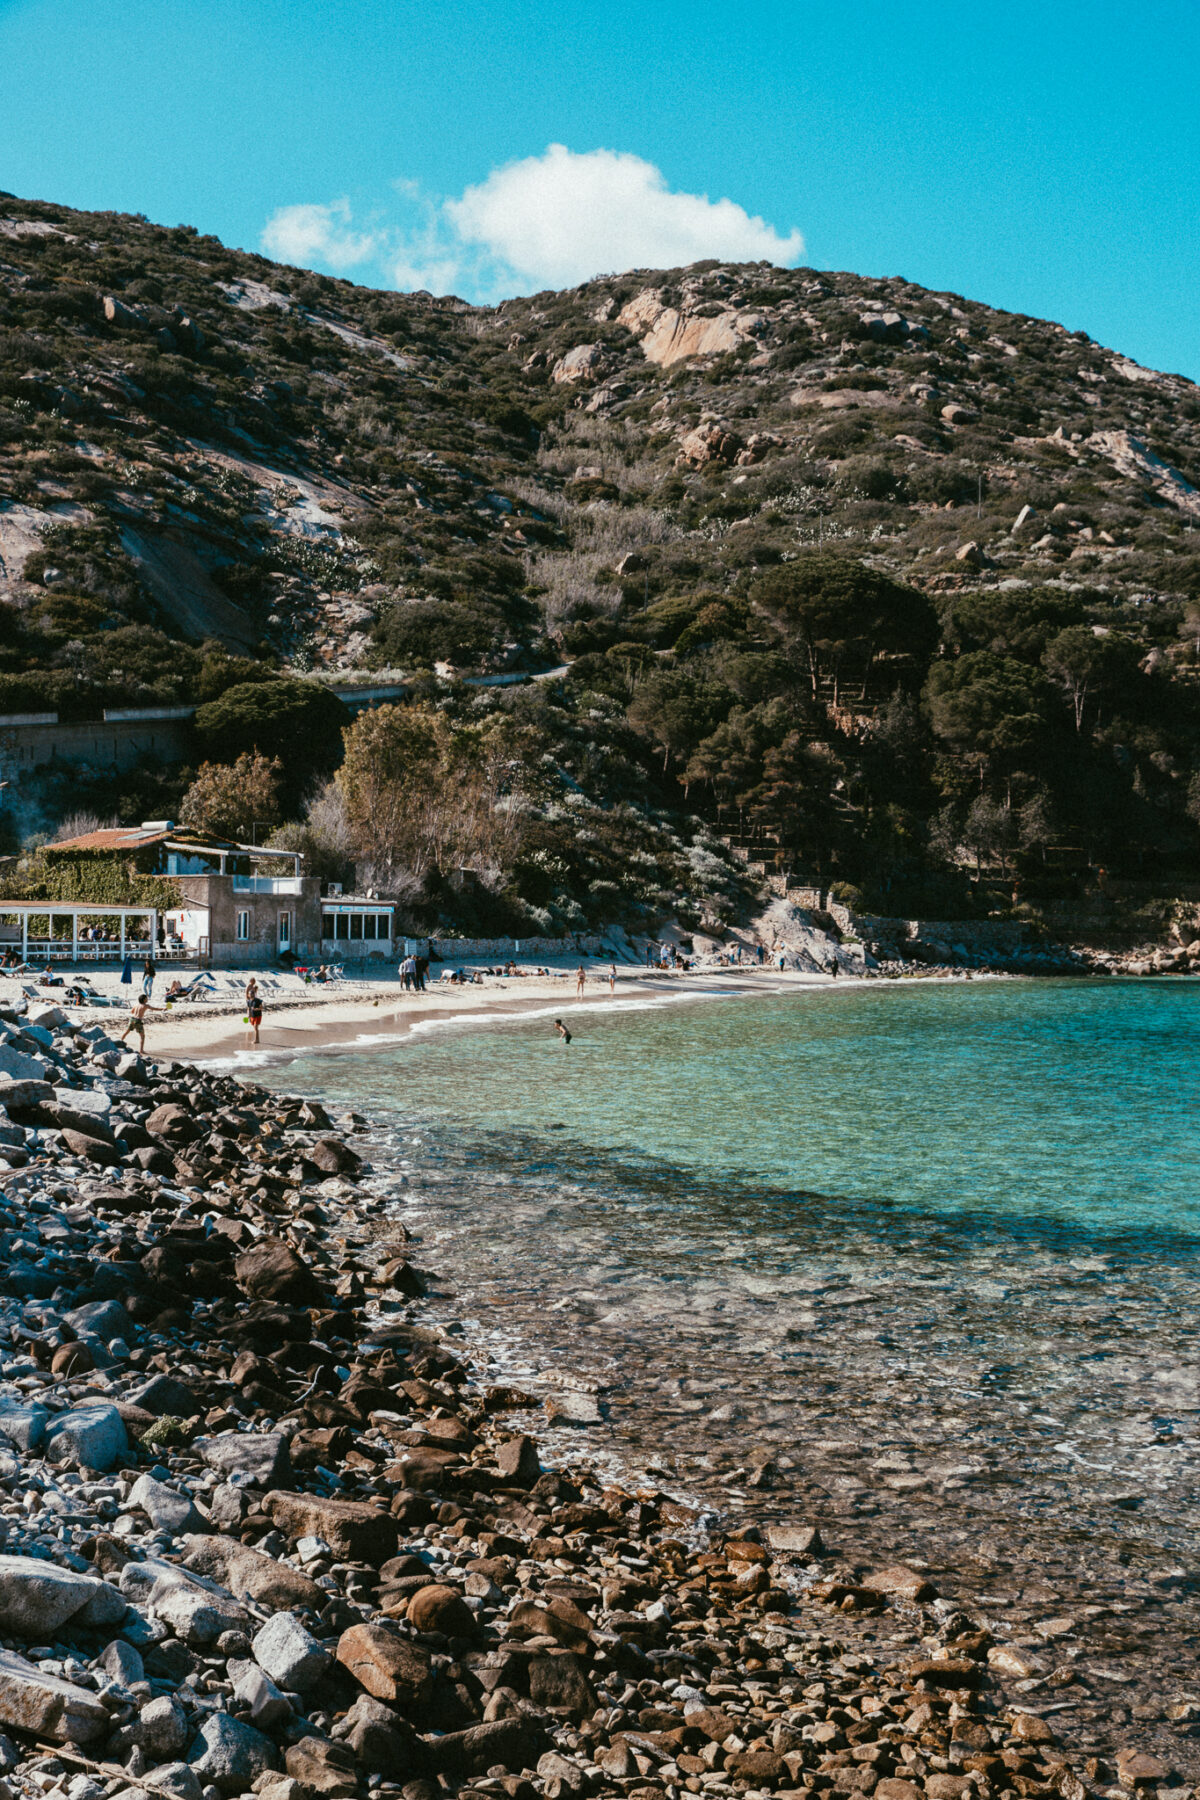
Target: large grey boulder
(45, 1015)
(46, 1707)
(93, 1435)
(91, 1101)
(258, 1457)
(290, 1654)
(161, 1729)
(197, 1618)
(268, 1707)
(195, 1609)
(23, 1423)
(104, 1319)
(179, 1779)
(122, 1662)
(38, 1597)
(19, 1067)
(252, 1575)
(166, 1509)
(230, 1754)
(164, 1395)
(22, 1091)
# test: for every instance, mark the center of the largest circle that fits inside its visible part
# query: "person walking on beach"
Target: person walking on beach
(612, 978)
(580, 978)
(137, 1020)
(254, 1007)
(562, 1031)
(149, 971)
(832, 966)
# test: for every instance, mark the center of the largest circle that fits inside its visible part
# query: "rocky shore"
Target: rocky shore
(265, 1532)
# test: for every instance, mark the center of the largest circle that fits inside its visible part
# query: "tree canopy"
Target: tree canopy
(837, 615)
(299, 722)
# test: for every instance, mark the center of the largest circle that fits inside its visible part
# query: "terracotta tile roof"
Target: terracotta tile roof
(125, 837)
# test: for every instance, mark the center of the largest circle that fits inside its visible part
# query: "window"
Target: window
(356, 925)
(368, 925)
(328, 924)
(243, 927)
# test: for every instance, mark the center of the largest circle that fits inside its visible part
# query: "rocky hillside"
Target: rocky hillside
(201, 447)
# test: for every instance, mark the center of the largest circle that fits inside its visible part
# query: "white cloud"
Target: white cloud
(318, 236)
(545, 221)
(563, 217)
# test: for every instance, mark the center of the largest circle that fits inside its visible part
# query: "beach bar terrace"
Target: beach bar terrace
(57, 931)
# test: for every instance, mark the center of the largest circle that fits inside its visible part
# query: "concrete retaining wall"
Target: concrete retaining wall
(103, 744)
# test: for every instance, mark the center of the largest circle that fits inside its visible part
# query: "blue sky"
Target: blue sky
(1043, 158)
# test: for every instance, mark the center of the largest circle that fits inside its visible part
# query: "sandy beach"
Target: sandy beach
(293, 1023)
(300, 1015)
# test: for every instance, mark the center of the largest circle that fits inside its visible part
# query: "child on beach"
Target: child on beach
(562, 1031)
(137, 1019)
(254, 1007)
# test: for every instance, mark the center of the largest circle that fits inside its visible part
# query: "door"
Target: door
(285, 931)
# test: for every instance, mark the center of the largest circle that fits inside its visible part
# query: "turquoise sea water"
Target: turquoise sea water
(913, 1260)
(916, 1260)
(1040, 1103)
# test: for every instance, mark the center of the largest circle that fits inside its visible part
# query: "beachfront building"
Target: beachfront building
(239, 905)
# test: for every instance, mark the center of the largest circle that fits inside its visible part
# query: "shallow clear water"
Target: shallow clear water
(917, 1258)
(1041, 1102)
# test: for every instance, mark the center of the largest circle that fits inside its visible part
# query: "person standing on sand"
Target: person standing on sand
(580, 978)
(254, 1007)
(612, 978)
(149, 971)
(137, 1021)
(562, 1031)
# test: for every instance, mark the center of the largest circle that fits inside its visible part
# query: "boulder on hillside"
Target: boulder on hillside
(583, 363)
(710, 443)
(92, 1435)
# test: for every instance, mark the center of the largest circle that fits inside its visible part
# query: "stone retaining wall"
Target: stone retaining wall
(999, 936)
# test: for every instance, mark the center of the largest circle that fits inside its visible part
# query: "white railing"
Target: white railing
(266, 884)
(43, 950)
